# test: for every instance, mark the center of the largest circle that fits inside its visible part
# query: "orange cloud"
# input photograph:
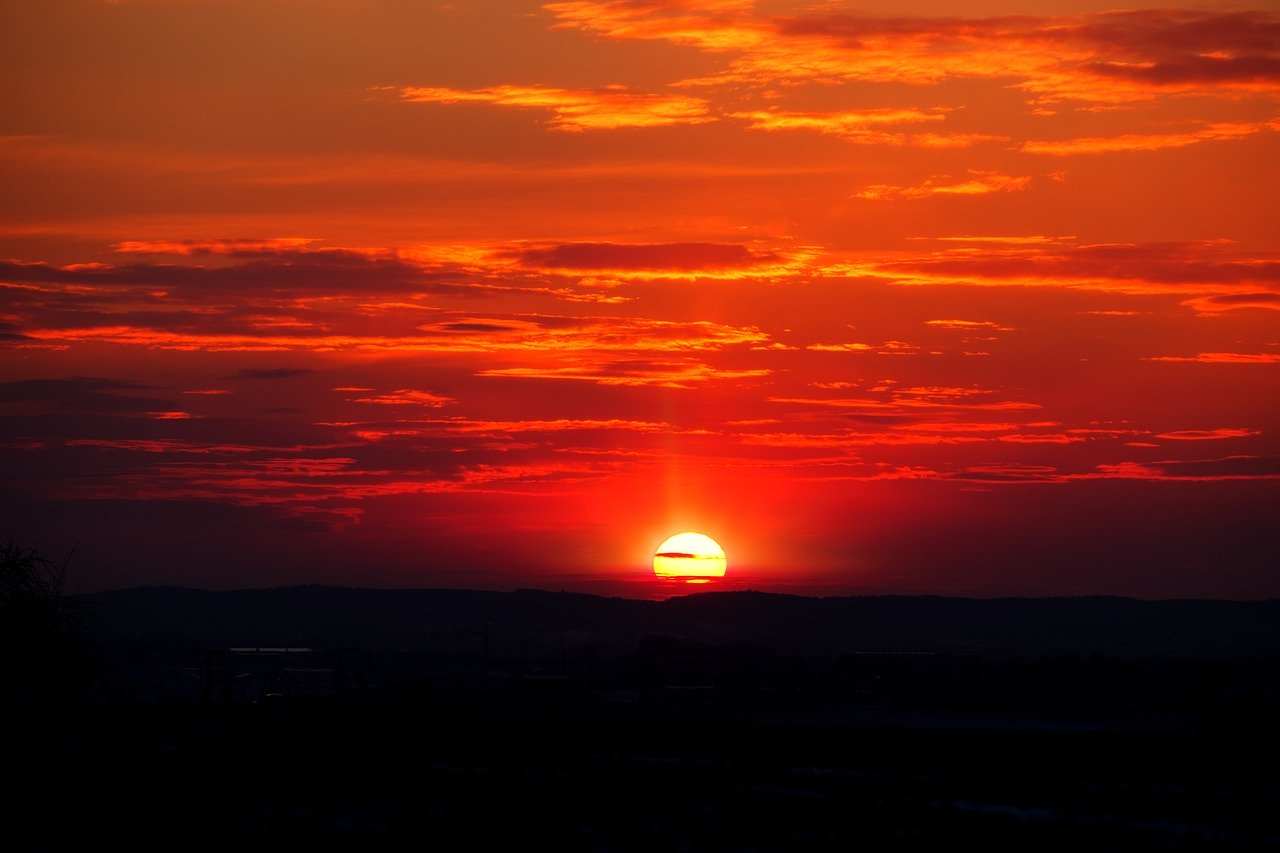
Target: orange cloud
(1042, 438)
(883, 348)
(1106, 57)
(577, 109)
(980, 184)
(873, 404)
(711, 25)
(1148, 141)
(953, 140)
(969, 325)
(1224, 358)
(472, 429)
(853, 439)
(946, 392)
(407, 397)
(1201, 267)
(921, 434)
(852, 347)
(530, 334)
(862, 126)
(866, 127)
(1010, 240)
(962, 426)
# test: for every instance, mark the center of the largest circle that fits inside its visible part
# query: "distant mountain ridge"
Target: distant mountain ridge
(324, 615)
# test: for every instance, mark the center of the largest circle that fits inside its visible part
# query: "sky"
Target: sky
(963, 299)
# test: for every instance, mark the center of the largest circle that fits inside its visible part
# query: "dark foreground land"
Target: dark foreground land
(738, 721)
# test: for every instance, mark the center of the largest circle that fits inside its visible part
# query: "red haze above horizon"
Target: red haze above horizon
(502, 294)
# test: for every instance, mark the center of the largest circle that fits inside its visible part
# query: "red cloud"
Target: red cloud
(231, 247)
(906, 404)
(1221, 302)
(1195, 470)
(633, 373)
(1207, 434)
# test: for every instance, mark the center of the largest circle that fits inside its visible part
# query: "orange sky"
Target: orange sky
(501, 294)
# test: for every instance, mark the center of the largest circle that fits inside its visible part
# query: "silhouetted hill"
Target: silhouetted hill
(319, 615)
(532, 720)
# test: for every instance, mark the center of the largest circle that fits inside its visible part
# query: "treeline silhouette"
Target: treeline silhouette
(380, 719)
(312, 615)
(1201, 660)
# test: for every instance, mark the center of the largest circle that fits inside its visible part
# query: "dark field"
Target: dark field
(738, 722)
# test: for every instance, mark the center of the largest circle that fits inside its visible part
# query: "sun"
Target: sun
(692, 557)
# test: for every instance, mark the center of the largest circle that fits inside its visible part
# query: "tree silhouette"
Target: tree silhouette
(42, 631)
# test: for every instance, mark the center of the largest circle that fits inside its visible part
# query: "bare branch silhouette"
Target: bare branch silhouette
(42, 630)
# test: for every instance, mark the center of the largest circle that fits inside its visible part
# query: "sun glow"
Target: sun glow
(691, 557)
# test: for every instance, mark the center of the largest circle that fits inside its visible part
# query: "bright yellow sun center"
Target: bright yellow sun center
(689, 556)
